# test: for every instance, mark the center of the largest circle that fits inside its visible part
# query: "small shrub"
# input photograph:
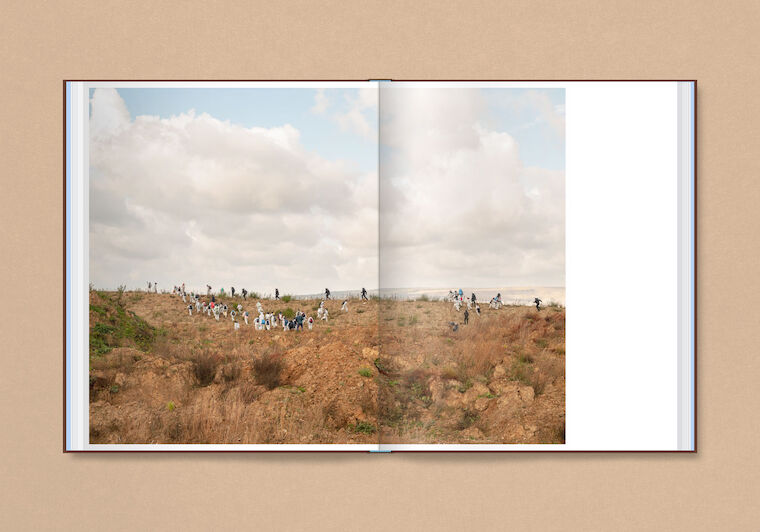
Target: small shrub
(289, 313)
(170, 406)
(204, 368)
(523, 372)
(413, 320)
(286, 298)
(365, 372)
(539, 383)
(267, 370)
(362, 427)
(467, 420)
(114, 388)
(423, 297)
(450, 373)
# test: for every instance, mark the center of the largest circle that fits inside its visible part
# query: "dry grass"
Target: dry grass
(200, 382)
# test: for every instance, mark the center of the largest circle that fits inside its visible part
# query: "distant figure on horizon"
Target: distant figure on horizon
(466, 316)
(473, 298)
(364, 294)
(276, 293)
(232, 291)
(538, 303)
(244, 292)
(150, 285)
(155, 288)
(327, 293)
(208, 289)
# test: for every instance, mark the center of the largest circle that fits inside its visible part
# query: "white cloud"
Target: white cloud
(458, 207)
(321, 102)
(197, 200)
(356, 117)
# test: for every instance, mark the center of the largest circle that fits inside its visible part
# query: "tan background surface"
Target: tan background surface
(714, 42)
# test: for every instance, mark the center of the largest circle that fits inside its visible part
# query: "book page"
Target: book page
(226, 252)
(537, 266)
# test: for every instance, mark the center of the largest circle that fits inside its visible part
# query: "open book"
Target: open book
(379, 266)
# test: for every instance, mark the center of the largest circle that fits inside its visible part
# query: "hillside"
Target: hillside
(386, 370)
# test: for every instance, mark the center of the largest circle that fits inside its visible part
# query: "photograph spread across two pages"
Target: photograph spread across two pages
(379, 266)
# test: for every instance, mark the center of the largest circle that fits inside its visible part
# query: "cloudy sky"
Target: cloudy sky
(472, 187)
(254, 188)
(265, 188)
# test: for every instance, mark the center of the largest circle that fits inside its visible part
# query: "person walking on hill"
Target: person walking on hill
(538, 304)
(364, 294)
(208, 289)
(327, 293)
(232, 291)
(466, 316)
(244, 292)
(277, 293)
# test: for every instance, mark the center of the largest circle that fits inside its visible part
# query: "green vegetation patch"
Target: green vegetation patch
(362, 427)
(113, 326)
